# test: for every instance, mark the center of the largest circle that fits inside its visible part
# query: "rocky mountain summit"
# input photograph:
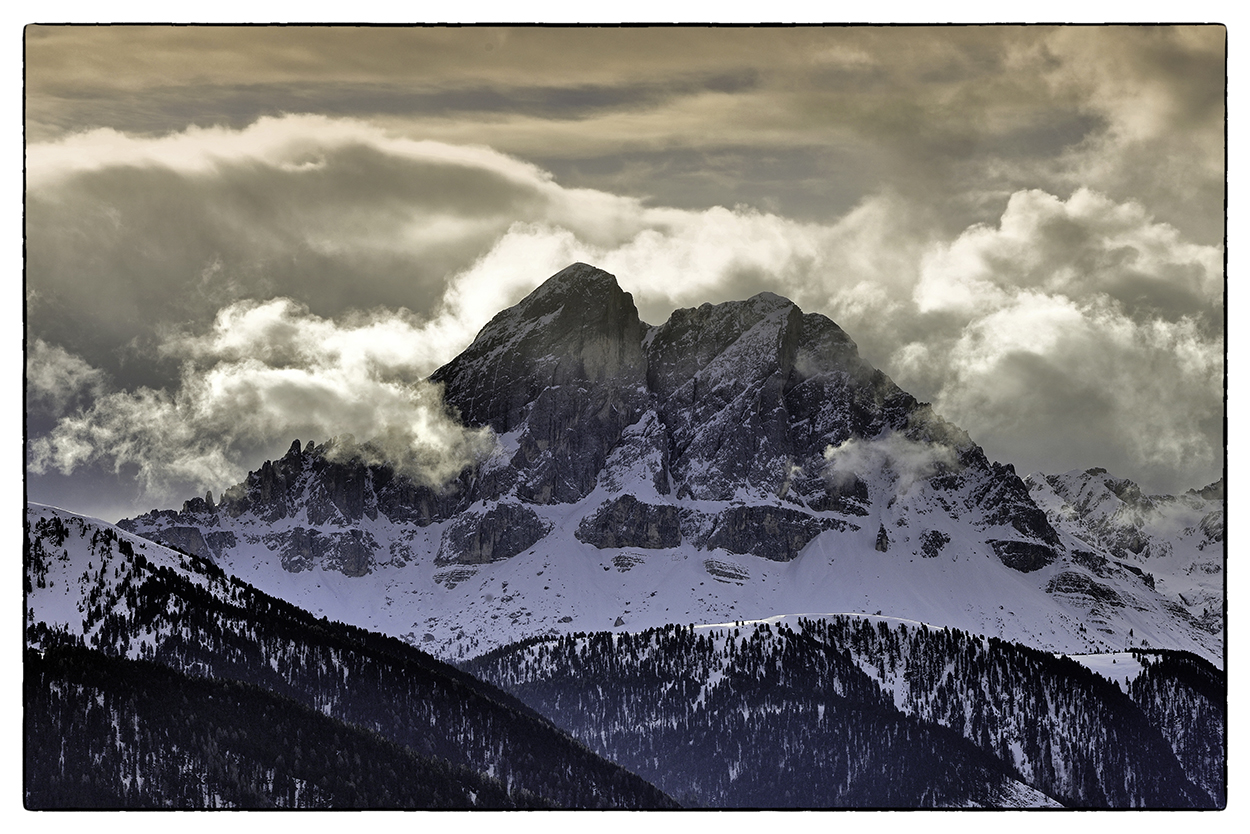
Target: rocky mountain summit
(744, 444)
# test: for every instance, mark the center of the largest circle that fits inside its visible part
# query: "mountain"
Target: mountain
(871, 711)
(1054, 640)
(1176, 541)
(738, 461)
(134, 649)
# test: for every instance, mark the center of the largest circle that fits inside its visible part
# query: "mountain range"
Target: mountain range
(739, 461)
(648, 551)
(129, 644)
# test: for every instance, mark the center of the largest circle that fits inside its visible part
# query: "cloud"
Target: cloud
(804, 116)
(57, 380)
(903, 460)
(1083, 248)
(1073, 332)
(1159, 91)
(1065, 385)
(335, 213)
(263, 372)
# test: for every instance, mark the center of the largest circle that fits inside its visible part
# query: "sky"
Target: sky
(238, 237)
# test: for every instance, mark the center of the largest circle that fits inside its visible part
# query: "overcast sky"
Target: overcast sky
(240, 237)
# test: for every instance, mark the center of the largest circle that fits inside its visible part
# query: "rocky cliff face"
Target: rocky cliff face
(561, 374)
(748, 431)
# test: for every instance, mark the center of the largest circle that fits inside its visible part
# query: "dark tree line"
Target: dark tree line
(1187, 698)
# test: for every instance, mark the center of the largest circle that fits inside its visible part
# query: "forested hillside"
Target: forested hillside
(749, 720)
(1187, 699)
(104, 732)
(942, 716)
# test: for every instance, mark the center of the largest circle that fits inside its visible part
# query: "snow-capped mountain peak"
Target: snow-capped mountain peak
(738, 461)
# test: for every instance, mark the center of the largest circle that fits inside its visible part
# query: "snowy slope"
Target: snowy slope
(1118, 667)
(130, 598)
(1176, 541)
(85, 566)
(564, 585)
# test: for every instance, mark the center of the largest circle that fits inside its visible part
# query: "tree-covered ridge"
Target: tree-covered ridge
(1068, 731)
(764, 719)
(104, 732)
(1187, 698)
(749, 695)
(102, 592)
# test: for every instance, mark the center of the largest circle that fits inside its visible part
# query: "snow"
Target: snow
(1187, 567)
(1114, 666)
(561, 585)
(74, 565)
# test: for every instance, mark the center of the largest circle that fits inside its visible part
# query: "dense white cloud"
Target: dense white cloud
(905, 461)
(264, 373)
(1145, 393)
(1084, 247)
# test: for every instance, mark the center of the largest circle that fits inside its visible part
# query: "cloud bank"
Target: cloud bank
(263, 373)
(200, 298)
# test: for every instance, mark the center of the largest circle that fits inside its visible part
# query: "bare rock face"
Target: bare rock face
(774, 533)
(565, 369)
(350, 552)
(753, 392)
(499, 533)
(1004, 499)
(627, 522)
(332, 488)
(1023, 556)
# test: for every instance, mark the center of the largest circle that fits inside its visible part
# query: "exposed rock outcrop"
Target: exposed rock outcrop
(565, 370)
(499, 533)
(774, 533)
(1021, 555)
(350, 552)
(627, 522)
